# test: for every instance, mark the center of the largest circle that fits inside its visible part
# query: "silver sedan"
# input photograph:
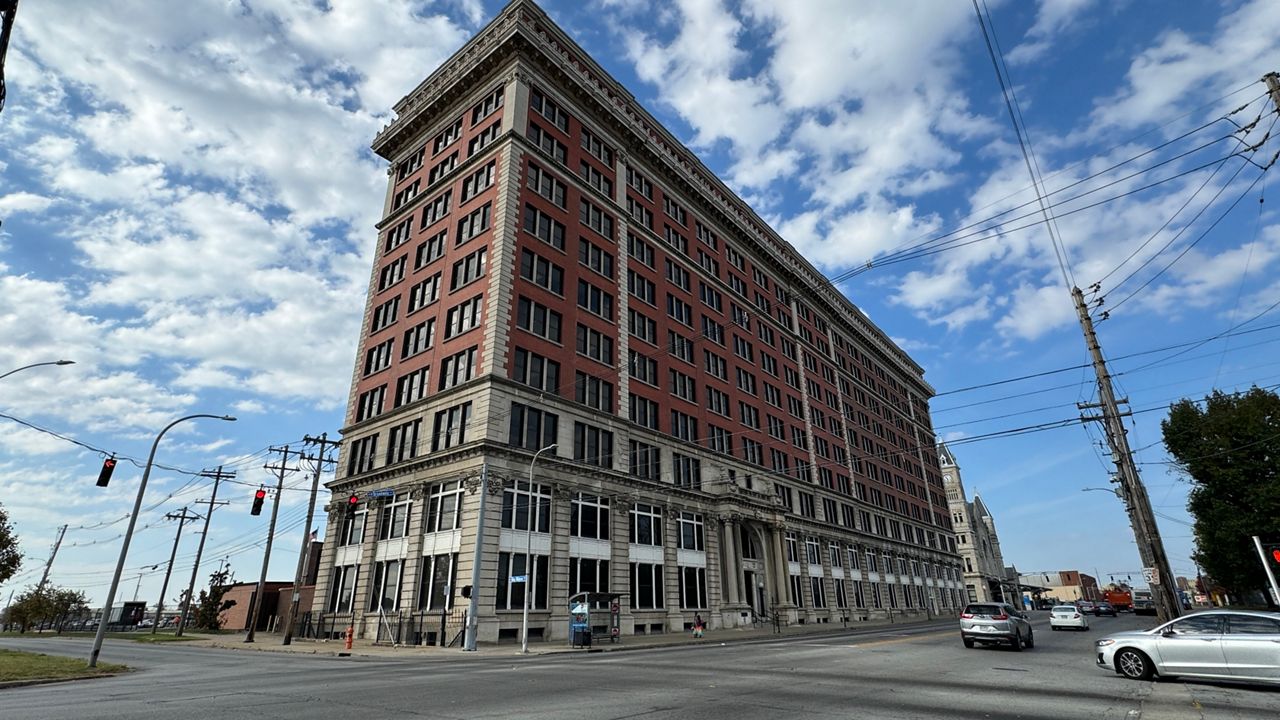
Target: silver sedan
(1218, 644)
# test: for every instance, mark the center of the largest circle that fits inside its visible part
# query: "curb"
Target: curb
(50, 681)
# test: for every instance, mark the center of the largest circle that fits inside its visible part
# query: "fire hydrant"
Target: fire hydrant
(351, 633)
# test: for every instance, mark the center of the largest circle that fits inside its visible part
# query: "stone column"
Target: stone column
(620, 560)
(671, 569)
(558, 565)
(731, 559)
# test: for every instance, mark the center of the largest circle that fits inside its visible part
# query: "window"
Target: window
(549, 109)
(646, 586)
(675, 240)
(463, 317)
(592, 391)
(674, 211)
(477, 181)
(411, 164)
(679, 310)
(746, 381)
(641, 214)
(686, 472)
(342, 588)
(683, 386)
(797, 590)
(595, 218)
(709, 263)
(444, 507)
(484, 138)
(710, 297)
(442, 168)
(511, 595)
(538, 319)
(393, 519)
(646, 525)
(413, 386)
(592, 445)
(1252, 625)
(595, 178)
(640, 250)
(516, 502)
(719, 440)
(447, 137)
(588, 575)
(677, 275)
(748, 415)
(743, 349)
(715, 365)
(691, 532)
(547, 143)
(645, 461)
(398, 235)
(370, 403)
(594, 300)
(589, 517)
(642, 368)
(535, 371)
(384, 592)
(468, 269)
(487, 106)
(392, 272)
(819, 592)
(596, 148)
(693, 588)
(640, 288)
(705, 236)
(402, 442)
(450, 423)
(435, 210)
(378, 357)
(546, 185)
(679, 346)
(473, 224)
(807, 508)
(430, 250)
(641, 326)
(684, 427)
(752, 451)
(644, 412)
(638, 181)
(531, 428)
(594, 257)
(385, 314)
(543, 227)
(735, 258)
(436, 578)
(458, 368)
(404, 195)
(424, 293)
(712, 330)
(594, 344)
(351, 530)
(541, 272)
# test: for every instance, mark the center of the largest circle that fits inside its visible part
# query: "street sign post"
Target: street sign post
(519, 578)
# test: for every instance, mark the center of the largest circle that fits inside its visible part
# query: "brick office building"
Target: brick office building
(734, 438)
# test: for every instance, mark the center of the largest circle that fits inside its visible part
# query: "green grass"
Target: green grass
(142, 637)
(18, 665)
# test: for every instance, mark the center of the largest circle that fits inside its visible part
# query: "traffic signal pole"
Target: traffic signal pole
(281, 469)
(1266, 566)
(217, 476)
(182, 518)
(320, 459)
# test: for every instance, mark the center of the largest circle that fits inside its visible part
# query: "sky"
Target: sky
(188, 202)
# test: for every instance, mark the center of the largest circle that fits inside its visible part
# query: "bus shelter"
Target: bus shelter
(588, 614)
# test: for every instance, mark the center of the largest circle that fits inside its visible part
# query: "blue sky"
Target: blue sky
(188, 202)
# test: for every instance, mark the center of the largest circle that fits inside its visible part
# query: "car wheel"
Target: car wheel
(1133, 664)
(1053, 628)
(1031, 640)
(967, 642)
(1016, 643)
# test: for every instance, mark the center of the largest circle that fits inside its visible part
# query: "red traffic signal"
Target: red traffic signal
(1275, 554)
(108, 467)
(258, 496)
(352, 502)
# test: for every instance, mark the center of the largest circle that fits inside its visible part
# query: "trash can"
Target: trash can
(582, 638)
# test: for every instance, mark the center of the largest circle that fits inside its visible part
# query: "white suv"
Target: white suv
(995, 623)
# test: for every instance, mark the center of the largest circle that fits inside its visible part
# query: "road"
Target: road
(896, 673)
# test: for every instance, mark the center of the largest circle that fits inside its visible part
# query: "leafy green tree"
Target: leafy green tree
(10, 557)
(209, 604)
(50, 605)
(1229, 450)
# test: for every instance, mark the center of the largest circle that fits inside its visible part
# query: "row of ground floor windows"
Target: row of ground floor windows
(438, 573)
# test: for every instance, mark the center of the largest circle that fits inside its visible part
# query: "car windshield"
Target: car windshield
(984, 610)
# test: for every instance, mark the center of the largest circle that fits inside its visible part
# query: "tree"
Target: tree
(10, 557)
(209, 605)
(51, 604)
(1229, 450)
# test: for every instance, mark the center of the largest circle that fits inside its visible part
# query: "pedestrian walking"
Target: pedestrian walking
(698, 625)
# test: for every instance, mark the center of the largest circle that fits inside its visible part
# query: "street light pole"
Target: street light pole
(128, 534)
(39, 364)
(528, 558)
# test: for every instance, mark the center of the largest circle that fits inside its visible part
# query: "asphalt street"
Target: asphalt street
(896, 673)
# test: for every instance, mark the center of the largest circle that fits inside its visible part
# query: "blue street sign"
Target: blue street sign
(381, 492)
(519, 578)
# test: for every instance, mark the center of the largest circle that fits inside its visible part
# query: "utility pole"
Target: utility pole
(281, 469)
(48, 565)
(319, 460)
(1150, 546)
(182, 518)
(217, 475)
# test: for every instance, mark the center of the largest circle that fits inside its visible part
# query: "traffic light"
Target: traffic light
(352, 502)
(1273, 554)
(108, 467)
(258, 496)
(466, 591)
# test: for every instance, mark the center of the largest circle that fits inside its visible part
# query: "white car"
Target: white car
(1218, 644)
(1067, 616)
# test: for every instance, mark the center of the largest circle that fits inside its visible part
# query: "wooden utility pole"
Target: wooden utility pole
(281, 469)
(182, 518)
(319, 460)
(49, 564)
(1150, 546)
(218, 475)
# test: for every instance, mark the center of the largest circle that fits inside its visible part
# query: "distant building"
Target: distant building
(985, 577)
(1064, 586)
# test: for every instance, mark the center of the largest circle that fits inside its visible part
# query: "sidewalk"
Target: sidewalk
(270, 642)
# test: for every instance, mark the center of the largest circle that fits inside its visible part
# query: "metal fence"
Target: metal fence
(422, 628)
(322, 626)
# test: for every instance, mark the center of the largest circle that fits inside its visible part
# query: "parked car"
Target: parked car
(1217, 644)
(146, 623)
(1065, 617)
(1104, 608)
(995, 623)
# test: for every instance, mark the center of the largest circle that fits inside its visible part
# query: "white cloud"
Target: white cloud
(1052, 18)
(23, 202)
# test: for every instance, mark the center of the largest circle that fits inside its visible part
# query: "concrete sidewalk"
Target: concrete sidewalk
(271, 642)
